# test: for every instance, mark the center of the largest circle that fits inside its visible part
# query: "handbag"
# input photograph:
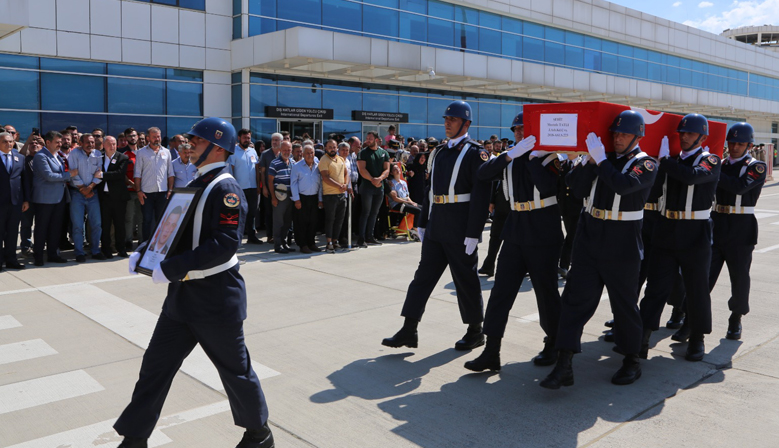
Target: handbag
(280, 191)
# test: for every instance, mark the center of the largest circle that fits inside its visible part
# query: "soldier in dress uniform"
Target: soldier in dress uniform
(532, 240)
(683, 236)
(206, 301)
(735, 227)
(607, 250)
(451, 222)
(570, 209)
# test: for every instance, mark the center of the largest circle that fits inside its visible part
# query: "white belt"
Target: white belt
(534, 205)
(197, 275)
(609, 215)
(685, 215)
(734, 210)
(451, 198)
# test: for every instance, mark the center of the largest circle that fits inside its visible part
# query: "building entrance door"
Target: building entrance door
(381, 128)
(312, 129)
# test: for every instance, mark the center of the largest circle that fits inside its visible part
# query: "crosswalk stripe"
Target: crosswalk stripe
(21, 351)
(136, 324)
(767, 249)
(48, 389)
(7, 322)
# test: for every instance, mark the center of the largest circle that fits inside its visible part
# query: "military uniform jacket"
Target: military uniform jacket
(570, 205)
(683, 176)
(537, 227)
(453, 222)
(739, 186)
(220, 297)
(631, 178)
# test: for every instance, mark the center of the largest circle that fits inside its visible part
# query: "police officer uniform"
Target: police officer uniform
(206, 305)
(607, 250)
(454, 210)
(532, 239)
(570, 209)
(735, 225)
(682, 238)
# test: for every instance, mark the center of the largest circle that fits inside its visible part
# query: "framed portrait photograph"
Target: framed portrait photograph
(178, 212)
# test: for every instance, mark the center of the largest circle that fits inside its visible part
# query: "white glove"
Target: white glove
(705, 149)
(595, 148)
(421, 233)
(135, 257)
(665, 150)
(522, 148)
(470, 245)
(158, 276)
(538, 153)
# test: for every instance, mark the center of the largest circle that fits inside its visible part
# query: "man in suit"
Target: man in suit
(113, 196)
(11, 195)
(50, 195)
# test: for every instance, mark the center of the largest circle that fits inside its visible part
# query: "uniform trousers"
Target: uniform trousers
(305, 220)
(570, 222)
(48, 227)
(170, 344)
(496, 230)
(581, 297)
(436, 256)
(514, 263)
(739, 260)
(663, 268)
(10, 217)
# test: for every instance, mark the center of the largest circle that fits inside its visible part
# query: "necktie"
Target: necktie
(8, 162)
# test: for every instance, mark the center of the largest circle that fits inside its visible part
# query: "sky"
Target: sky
(713, 16)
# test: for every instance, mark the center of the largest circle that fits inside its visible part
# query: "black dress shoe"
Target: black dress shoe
(132, 442)
(683, 333)
(38, 263)
(361, 243)
(629, 372)
(66, 246)
(547, 356)
(254, 240)
(108, 255)
(695, 349)
(485, 361)
(81, 258)
(257, 438)
(372, 242)
(489, 272)
(734, 326)
(59, 259)
(99, 256)
(403, 338)
(17, 265)
(314, 248)
(128, 245)
(562, 374)
(122, 254)
(608, 336)
(609, 323)
(281, 250)
(676, 320)
(289, 249)
(470, 341)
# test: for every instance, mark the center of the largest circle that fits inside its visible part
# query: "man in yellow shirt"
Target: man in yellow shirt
(335, 182)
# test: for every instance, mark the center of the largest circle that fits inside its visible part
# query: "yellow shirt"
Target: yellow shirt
(336, 170)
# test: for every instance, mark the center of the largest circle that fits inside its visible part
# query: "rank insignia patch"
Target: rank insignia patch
(231, 200)
(649, 165)
(484, 156)
(760, 168)
(712, 160)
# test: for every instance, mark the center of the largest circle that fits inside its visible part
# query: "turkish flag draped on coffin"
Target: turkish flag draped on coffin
(563, 127)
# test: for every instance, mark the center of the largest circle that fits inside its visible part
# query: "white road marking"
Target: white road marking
(7, 322)
(21, 351)
(40, 391)
(767, 249)
(765, 215)
(102, 280)
(136, 324)
(103, 433)
(529, 318)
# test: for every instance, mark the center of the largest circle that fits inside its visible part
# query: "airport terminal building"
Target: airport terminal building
(349, 66)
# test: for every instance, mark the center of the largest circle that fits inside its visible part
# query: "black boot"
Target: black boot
(132, 442)
(609, 323)
(695, 348)
(548, 355)
(644, 352)
(676, 320)
(489, 358)
(734, 327)
(257, 438)
(473, 338)
(629, 372)
(562, 374)
(489, 271)
(683, 333)
(406, 337)
(608, 336)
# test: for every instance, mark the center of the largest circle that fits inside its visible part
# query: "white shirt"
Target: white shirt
(455, 141)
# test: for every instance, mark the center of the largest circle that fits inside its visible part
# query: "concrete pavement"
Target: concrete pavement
(72, 338)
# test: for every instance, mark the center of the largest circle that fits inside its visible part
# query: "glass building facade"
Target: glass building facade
(445, 25)
(51, 94)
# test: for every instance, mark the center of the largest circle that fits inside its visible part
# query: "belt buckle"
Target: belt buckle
(598, 213)
(522, 206)
(438, 199)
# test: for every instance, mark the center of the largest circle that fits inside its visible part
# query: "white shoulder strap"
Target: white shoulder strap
(629, 165)
(201, 205)
(456, 171)
(691, 188)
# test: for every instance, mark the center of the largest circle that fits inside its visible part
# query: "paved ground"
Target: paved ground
(72, 337)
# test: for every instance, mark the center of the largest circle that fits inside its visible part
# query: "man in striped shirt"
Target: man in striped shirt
(279, 173)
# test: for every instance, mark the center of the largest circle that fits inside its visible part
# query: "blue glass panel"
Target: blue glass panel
(489, 20)
(346, 128)
(413, 27)
(22, 121)
(380, 103)
(10, 60)
(118, 123)
(490, 41)
(572, 38)
(200, 5)
(593, 43)
(440, 32)
(415, 107)
(381, 21)
(416, 131)
(235, 78)
(237, 28)
(685, 63)
(733, 86)
(56, 121)
(185, 98)
(342, 14)
(342, 103)
(533, 29)
(261, 96)
(532, 49)
(593, 60)
(466, 36)
(417, 6)
(24, 94)
(673, 61)
(306, 11)
(484, 133)
(656, 57)
(255, 26)
(466, 15)
(387, 3)
(625, 66)
(237, 7)
(71, 66)
(165, 2)
(489, 114)
(508, 112)
(610, 47)
(184, 75)
(672, 75)
(437, 131)
(134, 96)
(554, 34)
(236, 97)
(511, 45)
(640, 69)
(436, 108)
(697, 80)
(512, 25)
(609, 62)
(136, 71)
(181, 125)
(262, 78)
(554, 53)
(262, 129)
(72, 92)
(440, 10)
(656, 72)
(574, 56)
(743, 88)
(699, 67)
(296, 97)
(625, 50)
